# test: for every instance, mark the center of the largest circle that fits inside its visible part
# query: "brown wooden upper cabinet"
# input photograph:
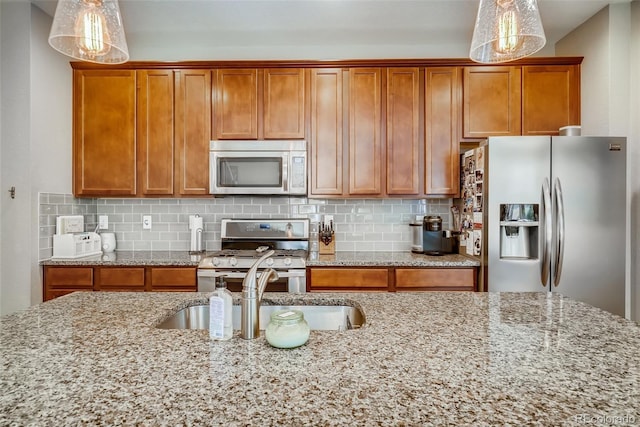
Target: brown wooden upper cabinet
(442, 130)
(403, 131)
(520, 100)
(141, 133)
(104, 134)
(346, 144)
(372, 148)
(373, 130)
(155, 121)
(259, 103)
(366, 149)
(492, 101)
(550, 98)
(326, 143)
(192, 132)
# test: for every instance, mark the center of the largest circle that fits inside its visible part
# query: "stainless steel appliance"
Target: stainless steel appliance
(435, 240)
(258, 167)
(245, 240)
(550, 213)
(416, 234)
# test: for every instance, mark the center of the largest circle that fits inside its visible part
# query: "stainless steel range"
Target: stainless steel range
(245, 240)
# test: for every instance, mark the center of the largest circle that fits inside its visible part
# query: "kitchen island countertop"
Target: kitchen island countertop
(346, 258)
(433, 358)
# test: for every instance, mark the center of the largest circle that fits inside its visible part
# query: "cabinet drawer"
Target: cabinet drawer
(50, 294)
(119, 279)
(349, 278)
(414, 279)
(68, 277)
(173, 279)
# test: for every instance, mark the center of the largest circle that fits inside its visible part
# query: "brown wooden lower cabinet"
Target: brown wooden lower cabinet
(62, 280)
(348, 279)
(175, 279)
(435, 279)
(391, 279)
(119, 279)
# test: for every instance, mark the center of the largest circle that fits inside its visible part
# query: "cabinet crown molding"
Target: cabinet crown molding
(410, 62)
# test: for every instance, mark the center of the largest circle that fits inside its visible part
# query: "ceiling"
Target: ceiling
(318, 29)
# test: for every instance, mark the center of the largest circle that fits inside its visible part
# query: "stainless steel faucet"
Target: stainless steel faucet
(252, 291)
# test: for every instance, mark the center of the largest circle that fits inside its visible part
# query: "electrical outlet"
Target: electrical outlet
(146, 222)
(103, 220)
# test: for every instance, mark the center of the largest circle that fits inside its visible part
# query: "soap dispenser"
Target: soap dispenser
(220, 312)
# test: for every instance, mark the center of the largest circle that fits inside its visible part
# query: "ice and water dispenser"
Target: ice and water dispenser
(519, 231)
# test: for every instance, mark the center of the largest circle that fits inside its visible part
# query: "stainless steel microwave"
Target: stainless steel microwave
(258, 167)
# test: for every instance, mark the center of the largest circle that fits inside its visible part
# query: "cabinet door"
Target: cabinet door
(550, 98)
(326, 144)
(178, 279)
(368, 279)
(442, 120)
(365, 136)
(193, 131)
(403, 131)
(104, 134)
(119, 279)
(155, 132)
(492, 101)
(433, 279)
(284, 101)
(236, 104)
(60, 281)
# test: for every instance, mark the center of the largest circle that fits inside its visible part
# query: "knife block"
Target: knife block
(324, 249)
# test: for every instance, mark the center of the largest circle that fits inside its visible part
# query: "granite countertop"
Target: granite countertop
(392, 259)
(432, 358)
(178, 258)
(133, 258)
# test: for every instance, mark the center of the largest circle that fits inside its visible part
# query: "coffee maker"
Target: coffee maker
(435, 240)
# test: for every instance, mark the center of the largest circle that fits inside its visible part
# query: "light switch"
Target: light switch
(146, 222)
(103, 221)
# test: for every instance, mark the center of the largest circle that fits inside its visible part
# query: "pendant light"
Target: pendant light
(506, 30)
(89, 30)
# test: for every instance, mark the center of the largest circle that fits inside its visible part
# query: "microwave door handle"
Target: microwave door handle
(285, 172)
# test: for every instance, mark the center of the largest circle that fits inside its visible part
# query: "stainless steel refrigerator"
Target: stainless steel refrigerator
(550, 213)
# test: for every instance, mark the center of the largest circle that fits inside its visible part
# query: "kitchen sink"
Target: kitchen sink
(319, 317)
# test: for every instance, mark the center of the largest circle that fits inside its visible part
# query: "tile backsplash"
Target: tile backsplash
(360, 224)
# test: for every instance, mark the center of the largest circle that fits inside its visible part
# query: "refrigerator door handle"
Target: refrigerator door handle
(545, 264)
(559, 247)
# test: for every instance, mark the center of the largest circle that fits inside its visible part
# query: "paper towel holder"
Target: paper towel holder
(197, 228)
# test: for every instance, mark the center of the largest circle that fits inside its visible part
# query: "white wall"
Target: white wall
(1, 180)
(634, 142)
(51, 135)
(606, 41)
(16, 225)
(35, 144)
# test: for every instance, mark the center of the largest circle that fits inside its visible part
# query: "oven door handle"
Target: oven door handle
(240, 274)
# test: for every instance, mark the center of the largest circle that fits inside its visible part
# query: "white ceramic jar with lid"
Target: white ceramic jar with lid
(287, 329)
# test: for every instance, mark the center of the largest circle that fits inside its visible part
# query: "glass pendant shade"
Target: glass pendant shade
(506, 30)
(89, 30)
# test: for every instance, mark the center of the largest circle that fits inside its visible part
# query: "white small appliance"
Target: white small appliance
(196, 226)
(71, 241)
(108, 242)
